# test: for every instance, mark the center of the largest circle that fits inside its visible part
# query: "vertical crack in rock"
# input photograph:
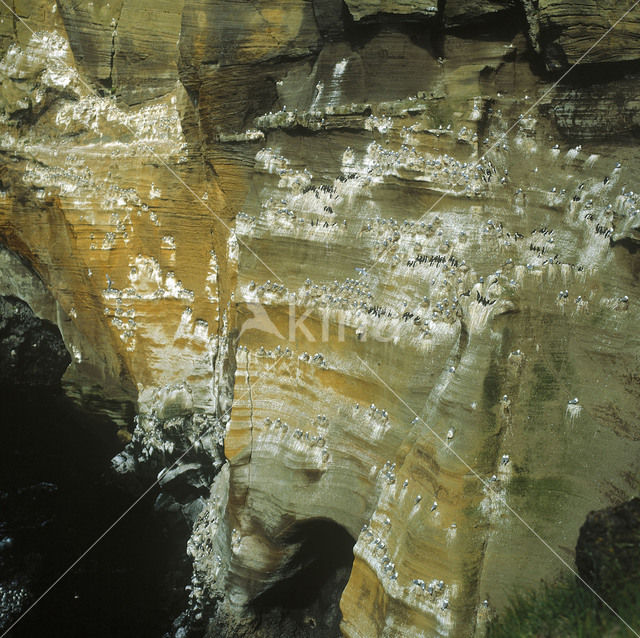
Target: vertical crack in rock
(250, 397)
(114, 36)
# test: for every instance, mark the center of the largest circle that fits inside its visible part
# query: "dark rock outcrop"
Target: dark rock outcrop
(608, 549)
(31, 349)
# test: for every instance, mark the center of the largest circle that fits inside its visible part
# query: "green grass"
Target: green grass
(567, 609)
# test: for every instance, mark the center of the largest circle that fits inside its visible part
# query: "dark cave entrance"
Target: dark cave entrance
(308, 602)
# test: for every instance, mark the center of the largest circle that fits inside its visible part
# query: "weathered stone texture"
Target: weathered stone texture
(465, 12)
(565, 32)
(366, 8)
(458, 238)
(114, 45)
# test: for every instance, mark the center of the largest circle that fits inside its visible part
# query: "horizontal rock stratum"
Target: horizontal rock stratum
(370, 258)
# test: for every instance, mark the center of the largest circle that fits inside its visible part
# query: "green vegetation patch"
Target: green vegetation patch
(567, 609)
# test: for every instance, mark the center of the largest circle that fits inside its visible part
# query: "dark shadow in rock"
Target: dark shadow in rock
(32, 352)
(331, 17)
(308, 603)
(608, 550)
(357, 34)
(588, 74)
(628, 243)
(56, 499)
(499, 25)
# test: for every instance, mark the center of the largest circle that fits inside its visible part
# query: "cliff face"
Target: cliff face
(376, 235)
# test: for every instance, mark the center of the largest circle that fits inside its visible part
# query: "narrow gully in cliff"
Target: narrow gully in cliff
(56, 498)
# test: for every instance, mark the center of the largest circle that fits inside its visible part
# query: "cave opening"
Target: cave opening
(308, 601)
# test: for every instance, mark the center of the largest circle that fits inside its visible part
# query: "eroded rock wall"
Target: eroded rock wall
(373, 248)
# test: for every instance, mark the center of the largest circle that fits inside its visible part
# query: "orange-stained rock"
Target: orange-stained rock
(388, 269)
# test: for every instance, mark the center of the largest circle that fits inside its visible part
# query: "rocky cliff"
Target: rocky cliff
(375, 259)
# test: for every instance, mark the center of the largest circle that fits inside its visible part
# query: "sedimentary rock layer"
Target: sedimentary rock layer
(384, 259)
